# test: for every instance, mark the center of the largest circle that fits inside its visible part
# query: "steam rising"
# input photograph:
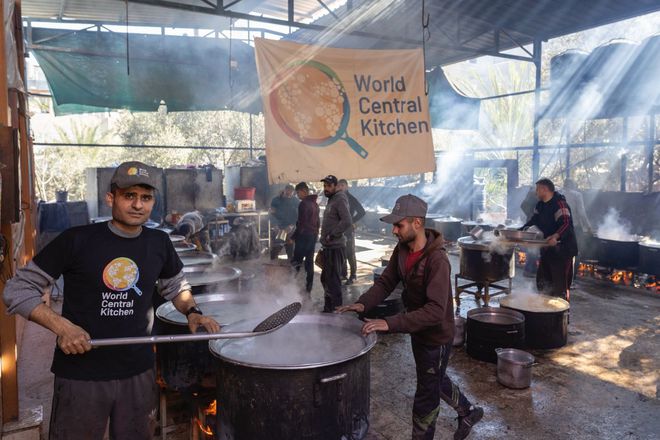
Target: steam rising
(614, 228)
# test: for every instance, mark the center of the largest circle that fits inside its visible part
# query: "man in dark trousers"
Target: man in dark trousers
(284, 214)
(110, 272)
(552, 216)
(306, 233)
(336, 221)
(357, 212)
(420, 262)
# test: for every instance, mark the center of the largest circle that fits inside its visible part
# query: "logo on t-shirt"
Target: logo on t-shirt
(120, 275)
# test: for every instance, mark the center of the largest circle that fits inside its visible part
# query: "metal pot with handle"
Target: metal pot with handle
(514, 368)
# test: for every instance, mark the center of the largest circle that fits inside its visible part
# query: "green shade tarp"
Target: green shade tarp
(87, 71)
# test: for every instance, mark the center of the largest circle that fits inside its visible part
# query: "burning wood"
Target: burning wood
(521, 258)
(206, 420)
(212, 409)
(622, 277)
(206, 430)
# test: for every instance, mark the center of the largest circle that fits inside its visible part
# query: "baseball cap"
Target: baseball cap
(332, 180)
(406, 206)
(134, 173)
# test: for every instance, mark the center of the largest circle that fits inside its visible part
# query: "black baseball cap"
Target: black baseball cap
(330, 179)
(134, 173)
(406, 206)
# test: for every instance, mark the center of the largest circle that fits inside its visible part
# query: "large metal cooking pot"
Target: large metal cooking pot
(514, 368)
(183, 365)
(197, 258)
(618, 254)
(391, 305)
(480, 263)
(205, 278)
(449, 227)
(649, 257)
(546, 318)
(489, 328)
(308, 380)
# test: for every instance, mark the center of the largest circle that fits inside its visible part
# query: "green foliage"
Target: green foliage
(64, 167)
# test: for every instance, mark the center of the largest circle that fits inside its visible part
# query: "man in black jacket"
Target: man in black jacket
(552, 216)
(357, 212)
(306, 233)
(336, 221)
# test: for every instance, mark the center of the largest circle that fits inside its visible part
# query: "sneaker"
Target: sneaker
(466, 423)
(349, 281)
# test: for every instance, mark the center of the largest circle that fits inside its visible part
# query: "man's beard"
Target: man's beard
(327, 193)
(406, 240)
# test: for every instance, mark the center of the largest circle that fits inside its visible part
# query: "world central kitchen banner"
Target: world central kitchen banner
(351, 113)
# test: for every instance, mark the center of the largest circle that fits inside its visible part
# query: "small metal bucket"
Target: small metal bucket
(514, 368)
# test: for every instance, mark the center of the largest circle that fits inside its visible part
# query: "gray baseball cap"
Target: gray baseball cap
(134, 173)
(406, 206)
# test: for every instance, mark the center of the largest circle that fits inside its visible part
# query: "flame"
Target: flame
(522, 258)
(622, 277)
(212, 409)
(205, 429)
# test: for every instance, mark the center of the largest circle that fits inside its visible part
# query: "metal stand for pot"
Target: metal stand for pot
(476, 287)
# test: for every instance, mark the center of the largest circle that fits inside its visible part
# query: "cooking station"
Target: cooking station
(482, 270)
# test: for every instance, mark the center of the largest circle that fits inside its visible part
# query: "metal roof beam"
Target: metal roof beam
(62, 8)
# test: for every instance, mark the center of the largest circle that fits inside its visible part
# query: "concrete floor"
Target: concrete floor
(603, 385)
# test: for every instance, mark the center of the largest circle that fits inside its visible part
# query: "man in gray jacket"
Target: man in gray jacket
(336, 221)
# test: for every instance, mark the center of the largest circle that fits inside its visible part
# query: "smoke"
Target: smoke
(613, 227)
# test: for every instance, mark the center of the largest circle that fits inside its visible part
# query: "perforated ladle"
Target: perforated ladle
(268, 325)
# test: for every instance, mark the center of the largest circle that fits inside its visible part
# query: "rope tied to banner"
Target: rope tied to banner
(426, 35)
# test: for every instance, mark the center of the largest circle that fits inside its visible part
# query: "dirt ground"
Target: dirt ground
(604, 384)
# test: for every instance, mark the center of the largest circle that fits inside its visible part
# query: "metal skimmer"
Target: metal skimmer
(268, 325)
(278, 318)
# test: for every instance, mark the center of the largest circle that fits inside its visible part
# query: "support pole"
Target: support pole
(8, 372)
(624, 156)
(537, 110)
(650, 145)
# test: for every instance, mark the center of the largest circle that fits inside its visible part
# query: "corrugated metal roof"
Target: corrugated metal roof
(459, 29)
(114, 11)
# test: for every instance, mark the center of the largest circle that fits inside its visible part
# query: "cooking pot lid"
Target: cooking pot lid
(308, 341)
(197, 258)
(214, 275)
(177, 238)
(619, 238)
(449, 219)
(470, 243)
(225, 308)
(492, 315)
(182, 246)
(535, 302)
(650, 243)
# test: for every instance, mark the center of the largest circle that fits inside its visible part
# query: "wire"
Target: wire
(128, 62)
(426, 35)
(231, 79)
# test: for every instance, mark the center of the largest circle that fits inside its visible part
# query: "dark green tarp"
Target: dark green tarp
(87, 71)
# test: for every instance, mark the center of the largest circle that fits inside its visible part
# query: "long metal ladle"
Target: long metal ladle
(268, 325)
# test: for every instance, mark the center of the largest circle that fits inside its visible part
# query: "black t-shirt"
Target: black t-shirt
(109, 283)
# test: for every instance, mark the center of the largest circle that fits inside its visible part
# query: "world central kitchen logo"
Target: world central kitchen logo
(310, 104)
(120, 275)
